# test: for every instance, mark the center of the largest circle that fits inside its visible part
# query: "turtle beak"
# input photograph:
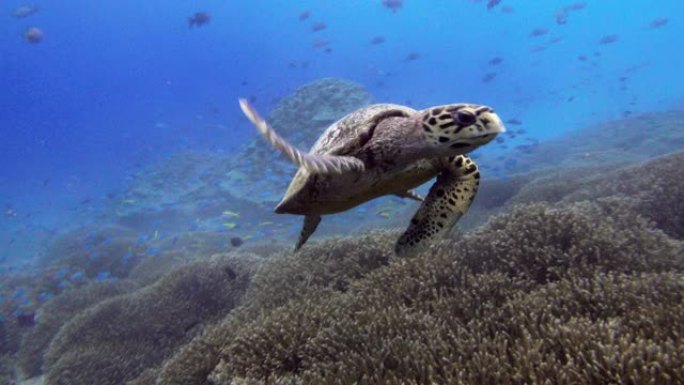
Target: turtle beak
(490, 122)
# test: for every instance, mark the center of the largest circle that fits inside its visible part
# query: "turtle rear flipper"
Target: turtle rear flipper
(316, 164)
(449, 198)
(310, 224)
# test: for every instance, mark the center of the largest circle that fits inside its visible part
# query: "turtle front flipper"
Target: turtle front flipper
(310, 224)
(449, 198)
(315, 164)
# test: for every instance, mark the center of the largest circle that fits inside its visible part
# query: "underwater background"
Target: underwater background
(138, 243)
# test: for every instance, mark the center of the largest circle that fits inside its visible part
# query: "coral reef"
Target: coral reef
(6, 368)
(117, 339)
(627, 140)
(314, 106)
(112, 249)
(56, 313)
(655, 187)
(332, 263)
(542, 244)
(327, 266)
(191, 191)
(584, 287)
(559, 294)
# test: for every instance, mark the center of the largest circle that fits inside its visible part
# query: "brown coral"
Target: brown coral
(568, 295)
(326, 266)
(56, 313)
(95, 251)
(133, 332)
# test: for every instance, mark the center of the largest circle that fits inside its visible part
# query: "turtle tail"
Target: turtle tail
(316, 164)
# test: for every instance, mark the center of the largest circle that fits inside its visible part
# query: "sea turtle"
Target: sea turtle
(388, 149)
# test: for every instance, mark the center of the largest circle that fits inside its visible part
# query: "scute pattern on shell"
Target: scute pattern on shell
(347, 129)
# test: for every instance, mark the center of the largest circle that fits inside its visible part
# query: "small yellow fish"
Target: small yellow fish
(266, 223)
(385, 212)
(230, 225)
(128, 201)
(229, 213)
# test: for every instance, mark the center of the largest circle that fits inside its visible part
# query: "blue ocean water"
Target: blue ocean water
(116, 85)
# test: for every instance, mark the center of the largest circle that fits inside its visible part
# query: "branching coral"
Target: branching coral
(56, 313)
(327, 266)
(579, 292)
(111, 249)
(567, 295)
(542, 243)
(129, 333)
(656, 186)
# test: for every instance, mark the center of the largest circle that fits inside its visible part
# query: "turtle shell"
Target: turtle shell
(356, 128)
(342, 137)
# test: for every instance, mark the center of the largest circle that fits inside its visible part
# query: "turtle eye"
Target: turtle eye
(464, 118)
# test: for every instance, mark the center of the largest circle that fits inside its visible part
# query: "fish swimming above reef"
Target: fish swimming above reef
(412, 56)
(236, 241)
(377, 40)
(388, 149)
(492, 3)
(538, 32)
(25, 11)
(393, 5)
(659, 22)
(304, 15)
(488, 77)
(495, 61)
(317, 27)
(608, 39)
(33, 35)
(199, 19)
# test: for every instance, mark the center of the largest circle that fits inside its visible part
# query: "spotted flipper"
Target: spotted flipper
(448, 199)
(310, 224)
(315, 164)
(411, 195)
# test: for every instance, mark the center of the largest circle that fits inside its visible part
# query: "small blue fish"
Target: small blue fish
(102, 276)
(152, 251)
(45, 296)
(19, 293)
(61, 273)
(76, 276)
(126, 258)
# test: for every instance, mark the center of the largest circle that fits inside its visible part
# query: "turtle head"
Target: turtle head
(456, 129)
